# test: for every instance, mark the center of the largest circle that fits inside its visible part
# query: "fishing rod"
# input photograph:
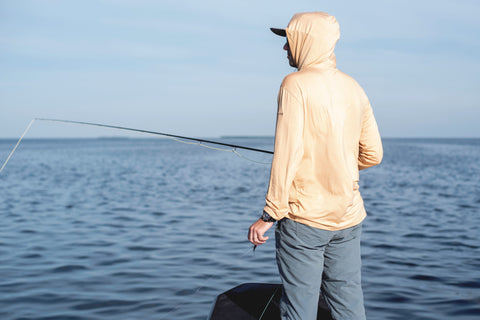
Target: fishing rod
(157, 133)
(173, 136)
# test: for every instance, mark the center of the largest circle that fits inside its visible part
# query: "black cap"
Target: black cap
(279, 32)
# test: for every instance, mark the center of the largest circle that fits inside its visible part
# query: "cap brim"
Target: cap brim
(279, 32)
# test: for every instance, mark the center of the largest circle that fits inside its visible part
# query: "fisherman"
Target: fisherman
(325, 133)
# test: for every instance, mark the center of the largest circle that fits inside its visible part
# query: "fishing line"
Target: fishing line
(18, 142)
(268, 303)
(199, 142)
(198, 289)
(246, 158)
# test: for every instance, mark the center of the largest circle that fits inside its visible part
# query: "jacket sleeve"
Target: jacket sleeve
(370, 144)
(287, 154)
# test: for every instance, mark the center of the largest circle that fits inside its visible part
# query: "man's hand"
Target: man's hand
(257, 230)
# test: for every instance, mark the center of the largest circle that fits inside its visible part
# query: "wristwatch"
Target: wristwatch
(267, 218)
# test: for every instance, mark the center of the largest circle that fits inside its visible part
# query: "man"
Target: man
(325, 134)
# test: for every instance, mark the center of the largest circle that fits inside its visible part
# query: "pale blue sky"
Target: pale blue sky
(211, 68)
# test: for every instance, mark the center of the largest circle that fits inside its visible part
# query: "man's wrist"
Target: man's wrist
(266, 217)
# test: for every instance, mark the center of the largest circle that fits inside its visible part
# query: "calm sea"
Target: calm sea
(156, 229)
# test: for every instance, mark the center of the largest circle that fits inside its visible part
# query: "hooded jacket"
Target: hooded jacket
(325, 133)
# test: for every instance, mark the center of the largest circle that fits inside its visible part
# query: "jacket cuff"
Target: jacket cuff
(273, 214)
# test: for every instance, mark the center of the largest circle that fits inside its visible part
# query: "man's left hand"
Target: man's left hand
(257, 230)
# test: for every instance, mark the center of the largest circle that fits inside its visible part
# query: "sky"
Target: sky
(213, 68)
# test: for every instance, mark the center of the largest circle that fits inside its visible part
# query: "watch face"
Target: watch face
(267, 218)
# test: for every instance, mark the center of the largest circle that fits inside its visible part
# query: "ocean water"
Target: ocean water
(156, 229)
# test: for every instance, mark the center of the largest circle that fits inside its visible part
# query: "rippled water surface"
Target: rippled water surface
(155, 229)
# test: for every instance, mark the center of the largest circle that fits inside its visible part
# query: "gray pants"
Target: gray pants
(311, 260)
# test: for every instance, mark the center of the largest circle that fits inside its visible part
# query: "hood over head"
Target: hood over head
(312, 37)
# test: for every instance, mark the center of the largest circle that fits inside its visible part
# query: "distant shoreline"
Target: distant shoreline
(226, 137)
(246, 137)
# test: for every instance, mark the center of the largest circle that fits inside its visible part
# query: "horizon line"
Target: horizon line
(113, 137)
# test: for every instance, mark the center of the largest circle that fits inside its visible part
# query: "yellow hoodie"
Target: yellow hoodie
(325, 133)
